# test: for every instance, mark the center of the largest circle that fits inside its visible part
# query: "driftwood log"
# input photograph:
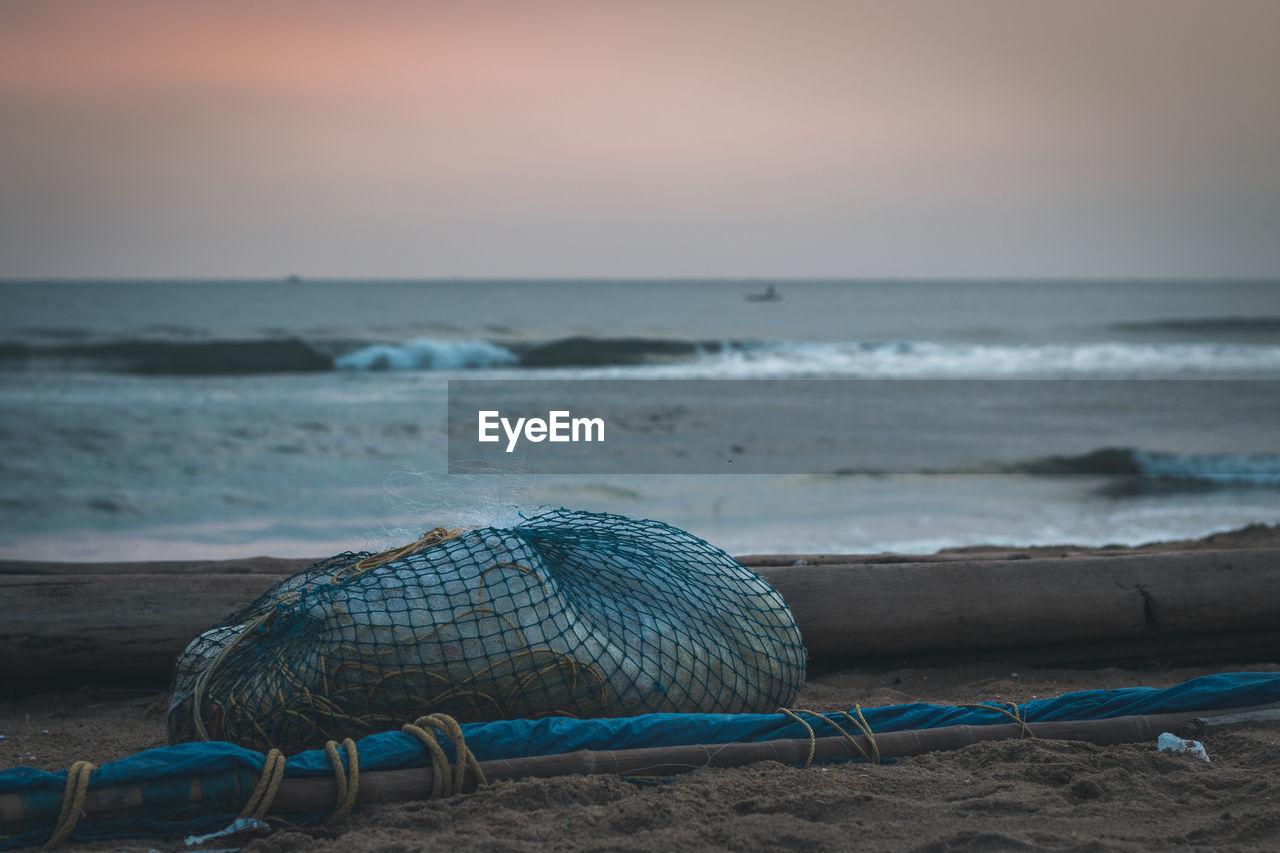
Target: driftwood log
(122, 624)
(1210, 605)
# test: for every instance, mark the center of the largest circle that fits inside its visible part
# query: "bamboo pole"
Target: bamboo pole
(303, 795)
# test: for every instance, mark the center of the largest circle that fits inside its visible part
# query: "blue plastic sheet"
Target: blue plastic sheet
(227, 771)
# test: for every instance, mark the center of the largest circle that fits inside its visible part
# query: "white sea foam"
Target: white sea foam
(427, 354)
(910, 360)
(868, 360)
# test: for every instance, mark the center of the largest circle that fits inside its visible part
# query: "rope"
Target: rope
(864, 727)
(859, 722)
(813, 739)
(268, 783)
(348, 780)
(73, 796)
(445, 781)
(1016, 715)
(434, 536)
(202, 680)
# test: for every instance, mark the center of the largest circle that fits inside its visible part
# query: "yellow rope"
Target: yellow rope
(265, 791)
(859, 722)
(434, 536)
(445, 781)
(1016, 715)
(348, 780)
(813, 739)
(72, 802)
(202, 680)
(864, 727)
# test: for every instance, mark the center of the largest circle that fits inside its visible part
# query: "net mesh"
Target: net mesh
(568, 613)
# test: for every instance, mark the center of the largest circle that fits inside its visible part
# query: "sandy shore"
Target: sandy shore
(1015, 795)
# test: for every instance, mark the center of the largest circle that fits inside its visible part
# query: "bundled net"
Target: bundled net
(568, 613)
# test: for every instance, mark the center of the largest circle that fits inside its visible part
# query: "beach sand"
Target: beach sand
(1013, 795)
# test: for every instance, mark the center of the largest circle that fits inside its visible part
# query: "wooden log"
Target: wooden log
(310, 795)
(1239, 719)
(65, 629)
(865, 611)
(1155, 650)
(117, 630)
(247, 565)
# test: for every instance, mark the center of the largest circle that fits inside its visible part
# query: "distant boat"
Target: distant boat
(294, 278)
(770, 294)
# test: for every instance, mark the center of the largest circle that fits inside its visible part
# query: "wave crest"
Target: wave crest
(927, 359)
(657, 358)
(427, 354)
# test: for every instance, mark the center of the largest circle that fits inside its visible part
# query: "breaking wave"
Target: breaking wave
(427, 354)
(912, 360)
(655, 358)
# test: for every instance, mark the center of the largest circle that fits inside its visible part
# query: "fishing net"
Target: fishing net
(568, 613)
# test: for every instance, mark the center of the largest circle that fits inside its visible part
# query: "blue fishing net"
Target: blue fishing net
(567, 614)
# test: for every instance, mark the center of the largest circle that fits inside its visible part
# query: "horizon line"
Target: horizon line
(470, 279)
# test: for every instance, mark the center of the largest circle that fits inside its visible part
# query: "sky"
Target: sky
(654, 138)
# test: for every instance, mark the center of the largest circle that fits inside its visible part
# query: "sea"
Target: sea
(182, 420)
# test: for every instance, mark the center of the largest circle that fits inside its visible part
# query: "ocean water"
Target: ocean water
(197, 419)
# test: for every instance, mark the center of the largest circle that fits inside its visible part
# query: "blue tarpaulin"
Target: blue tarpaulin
(226, 772)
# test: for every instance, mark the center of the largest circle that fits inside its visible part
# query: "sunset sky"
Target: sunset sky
(540, 138)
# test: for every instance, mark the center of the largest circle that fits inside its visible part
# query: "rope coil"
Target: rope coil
(348, 779)
(859, 722)
(445, 781)
(73, 796)
(268, 783)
